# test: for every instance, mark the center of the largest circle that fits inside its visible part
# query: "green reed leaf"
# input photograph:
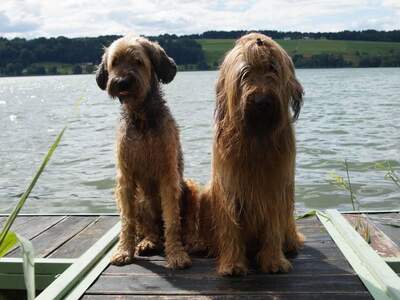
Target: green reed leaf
(9, 241)
(23, 198)
(308, 214)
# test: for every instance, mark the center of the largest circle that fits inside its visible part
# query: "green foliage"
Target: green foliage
(318, 53)
(311, 213)
(202, 51)
(308, 214)
(340, 182)
(9, 241)
(76, 69)
(391, 173)
(360, 225)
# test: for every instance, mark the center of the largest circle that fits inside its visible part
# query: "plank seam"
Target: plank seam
(39, 233)
(71, 237)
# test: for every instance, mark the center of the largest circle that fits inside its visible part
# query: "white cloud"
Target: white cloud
(32, 18)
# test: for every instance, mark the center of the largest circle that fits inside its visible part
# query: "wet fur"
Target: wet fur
(149, 179)
(250, 199)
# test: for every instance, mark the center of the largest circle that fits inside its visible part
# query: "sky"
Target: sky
(79, 18)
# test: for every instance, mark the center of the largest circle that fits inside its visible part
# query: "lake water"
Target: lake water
(348, 114)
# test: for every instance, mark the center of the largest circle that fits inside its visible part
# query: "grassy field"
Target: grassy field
(215, 49)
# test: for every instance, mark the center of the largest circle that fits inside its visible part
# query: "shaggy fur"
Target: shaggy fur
(251, 194)
(149, 157)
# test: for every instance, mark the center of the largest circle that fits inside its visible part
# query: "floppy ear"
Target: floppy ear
(164, 66)
(102, 74)
(296, 92)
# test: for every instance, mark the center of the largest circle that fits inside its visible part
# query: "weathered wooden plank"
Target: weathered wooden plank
(257, 284)
(378, 240)
(49, 240)
(275, 296)
(206, 267)
(76, 246)
(389, 224)
(30, 227)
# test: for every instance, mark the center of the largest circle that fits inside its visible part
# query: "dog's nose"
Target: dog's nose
(123, 84)
(262, 99)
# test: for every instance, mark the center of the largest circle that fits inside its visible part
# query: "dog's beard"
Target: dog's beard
(132, 94)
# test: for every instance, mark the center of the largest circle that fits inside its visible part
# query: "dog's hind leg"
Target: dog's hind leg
(149, 220)
(177, 257)
(125, 193)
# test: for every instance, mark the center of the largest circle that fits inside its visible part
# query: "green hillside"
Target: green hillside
(351, 51)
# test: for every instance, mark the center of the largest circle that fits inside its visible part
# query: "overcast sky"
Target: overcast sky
(73, 18)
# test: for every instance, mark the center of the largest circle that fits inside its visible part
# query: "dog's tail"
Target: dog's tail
(193, 212)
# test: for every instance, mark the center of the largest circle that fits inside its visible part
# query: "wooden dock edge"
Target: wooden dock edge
(380, 280)
(74, 281)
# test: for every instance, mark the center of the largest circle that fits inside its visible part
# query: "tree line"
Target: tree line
(63, 55)
(347, 35)
(41, 56)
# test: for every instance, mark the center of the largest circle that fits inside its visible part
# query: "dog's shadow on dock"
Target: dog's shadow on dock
(318, 265)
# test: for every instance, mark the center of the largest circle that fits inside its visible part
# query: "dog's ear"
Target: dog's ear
(164, 66)
(296, 92)
(296, 97)
(102, 73)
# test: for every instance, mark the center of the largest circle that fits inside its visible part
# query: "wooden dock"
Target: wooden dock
(320, 270)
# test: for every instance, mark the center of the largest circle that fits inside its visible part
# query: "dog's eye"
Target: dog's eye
(114, 63)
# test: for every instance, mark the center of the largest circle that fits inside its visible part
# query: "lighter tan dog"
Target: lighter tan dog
(251, 195)
(150, 186)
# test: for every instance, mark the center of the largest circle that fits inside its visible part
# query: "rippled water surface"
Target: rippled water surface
(348, 113)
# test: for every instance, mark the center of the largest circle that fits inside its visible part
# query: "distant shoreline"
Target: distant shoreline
(63, 56)
(184, 71)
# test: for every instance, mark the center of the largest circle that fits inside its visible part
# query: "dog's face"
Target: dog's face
(257, 85)
(130, 64)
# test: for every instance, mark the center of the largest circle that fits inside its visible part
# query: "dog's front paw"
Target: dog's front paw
(122, 257)
(232, 269)
(178, 260)
(274, 265)
(147, 247)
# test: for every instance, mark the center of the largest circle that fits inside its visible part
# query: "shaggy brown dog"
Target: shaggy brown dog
(253, 168)
(149, 157)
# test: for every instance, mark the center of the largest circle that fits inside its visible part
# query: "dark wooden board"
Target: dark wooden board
(77, 245)
(31, 227)
(206, 267)
(317, 250)
(274, 296)
(49, 240)
(214, 285)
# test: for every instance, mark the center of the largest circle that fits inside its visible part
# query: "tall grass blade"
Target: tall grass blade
(352, 197)
(23, 198)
